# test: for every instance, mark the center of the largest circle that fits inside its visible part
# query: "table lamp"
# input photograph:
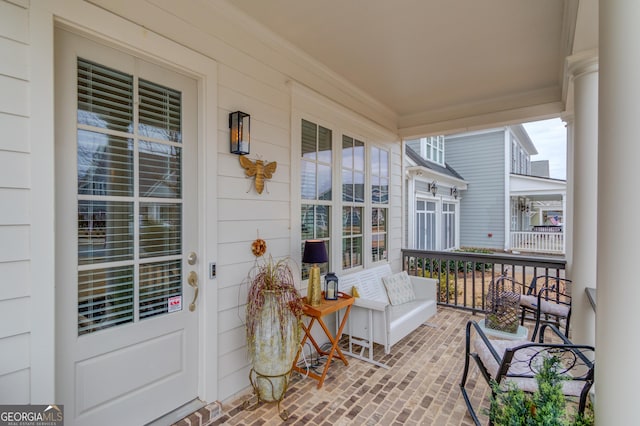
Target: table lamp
(314, 252)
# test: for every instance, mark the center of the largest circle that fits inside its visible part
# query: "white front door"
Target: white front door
(126, 235)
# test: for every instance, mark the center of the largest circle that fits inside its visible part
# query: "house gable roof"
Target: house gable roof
(419, 161)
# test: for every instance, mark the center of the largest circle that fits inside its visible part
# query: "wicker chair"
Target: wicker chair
(547, 300)
(518, 362)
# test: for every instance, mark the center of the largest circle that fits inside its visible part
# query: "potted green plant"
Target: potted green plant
(511, 406)
(273, 325)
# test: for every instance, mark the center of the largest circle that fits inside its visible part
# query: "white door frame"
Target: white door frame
(77, 15)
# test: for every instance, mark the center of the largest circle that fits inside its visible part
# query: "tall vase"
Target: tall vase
(275, 346)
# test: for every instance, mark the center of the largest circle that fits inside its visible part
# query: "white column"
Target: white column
(618, 316)
(583, 152)
(564, 222)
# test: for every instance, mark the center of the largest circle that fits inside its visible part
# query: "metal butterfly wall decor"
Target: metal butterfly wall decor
(259, 169)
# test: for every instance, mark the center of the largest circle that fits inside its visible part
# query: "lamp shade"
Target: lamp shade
(314, 252)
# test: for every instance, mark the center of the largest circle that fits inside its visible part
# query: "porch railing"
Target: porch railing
(538, 242)
(464, 277)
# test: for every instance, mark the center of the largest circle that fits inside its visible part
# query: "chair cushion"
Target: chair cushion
(399, 288)
(520, 364)
(552, 308)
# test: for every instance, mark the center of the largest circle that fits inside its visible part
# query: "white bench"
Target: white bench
(374, 319)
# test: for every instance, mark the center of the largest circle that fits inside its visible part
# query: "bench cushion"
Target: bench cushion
(399, 288)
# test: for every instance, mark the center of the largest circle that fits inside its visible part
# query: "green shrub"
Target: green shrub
(510, 406)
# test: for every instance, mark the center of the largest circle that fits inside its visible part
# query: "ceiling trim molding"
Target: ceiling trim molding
(482, 121)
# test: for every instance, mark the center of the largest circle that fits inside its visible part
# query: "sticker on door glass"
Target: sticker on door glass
(175, 303)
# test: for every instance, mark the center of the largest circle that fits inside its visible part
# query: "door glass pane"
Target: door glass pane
(105, 231)
(160, 226)
(105, 97)
(159, 281)
(160, 170)
(107, 228)
(105, 298)
(105, 164)
(159, 112)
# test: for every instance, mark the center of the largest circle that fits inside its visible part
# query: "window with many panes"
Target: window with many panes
(448, 226)
(380, 203)
(363, 187)
(425, 225)
(432, 149)
(315, 187)
(352, 201)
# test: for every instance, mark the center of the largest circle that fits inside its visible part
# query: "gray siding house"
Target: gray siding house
(480, 189)
(480, 158)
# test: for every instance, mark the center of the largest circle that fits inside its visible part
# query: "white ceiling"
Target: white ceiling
(434, 60)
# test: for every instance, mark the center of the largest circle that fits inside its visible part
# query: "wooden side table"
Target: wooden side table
(316, 313)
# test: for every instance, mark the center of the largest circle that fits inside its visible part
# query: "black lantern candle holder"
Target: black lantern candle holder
(239, 132)
(330, 286)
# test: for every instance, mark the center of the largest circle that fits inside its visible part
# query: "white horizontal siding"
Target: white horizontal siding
(18, 66)
(233, 231)
(15, 96)
(15, 133)
(15, 170)
(252, 209)
(14, 353)
(232, 340)
(231, 318)
(14, 387)
(15, 316)
(243, 214)
(15, 245)
(14, 20)
(16, 280)
(15, 205)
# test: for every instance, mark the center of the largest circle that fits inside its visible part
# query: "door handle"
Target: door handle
(192, 279)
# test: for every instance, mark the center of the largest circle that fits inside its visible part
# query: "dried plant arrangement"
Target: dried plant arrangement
(276, 277)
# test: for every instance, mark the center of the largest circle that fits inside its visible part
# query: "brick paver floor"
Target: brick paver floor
(421, 387)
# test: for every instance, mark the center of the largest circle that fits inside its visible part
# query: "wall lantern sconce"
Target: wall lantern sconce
(433, 187)
(454, 192)
(239, 132)
(524, 207)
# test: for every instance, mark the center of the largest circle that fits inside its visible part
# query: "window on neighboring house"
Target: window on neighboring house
(380, 203)
(352, 201)
(432, 149)
(425, 225)
(315, 188)
(448, 226)
(514, 157)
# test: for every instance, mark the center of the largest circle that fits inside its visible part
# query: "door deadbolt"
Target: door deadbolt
(192, 258)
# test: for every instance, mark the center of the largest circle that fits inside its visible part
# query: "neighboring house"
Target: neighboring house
(433, 195)
(506, 205)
